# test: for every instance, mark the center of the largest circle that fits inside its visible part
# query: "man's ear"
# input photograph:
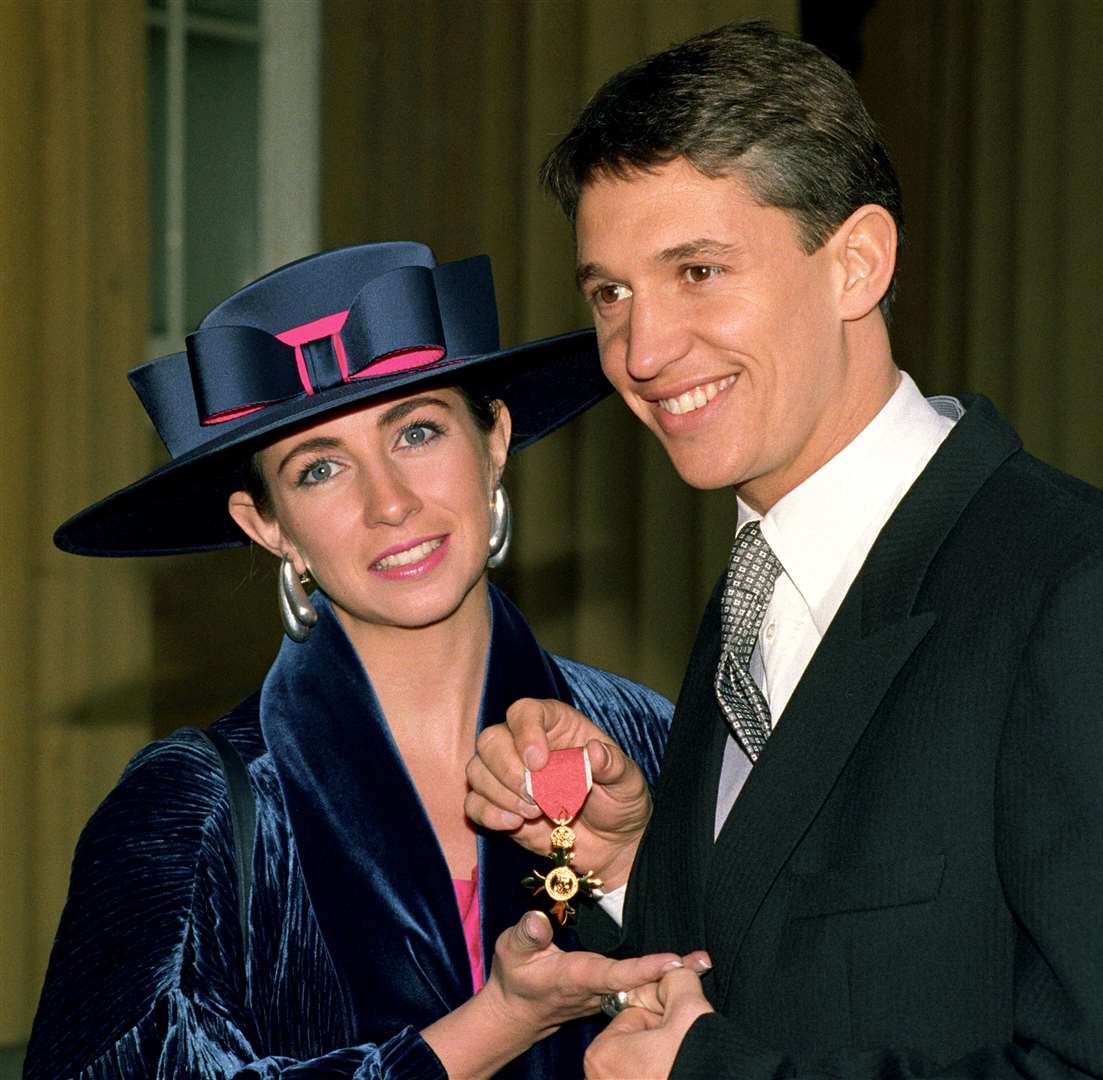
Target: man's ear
(262, 530)
(866, 254)
(498, 439)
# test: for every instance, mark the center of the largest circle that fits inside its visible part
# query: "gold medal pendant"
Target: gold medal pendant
(564, 784)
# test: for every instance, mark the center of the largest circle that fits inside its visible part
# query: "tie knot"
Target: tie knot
(753, 566)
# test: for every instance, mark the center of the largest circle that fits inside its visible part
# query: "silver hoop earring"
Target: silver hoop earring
(501, 527)
(296, 611)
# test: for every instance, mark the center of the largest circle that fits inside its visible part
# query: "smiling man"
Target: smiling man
(881, 808)
(753, 362)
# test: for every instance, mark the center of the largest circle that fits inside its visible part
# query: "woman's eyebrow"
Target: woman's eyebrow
(396, 412)
(404, 408)
(319, 442)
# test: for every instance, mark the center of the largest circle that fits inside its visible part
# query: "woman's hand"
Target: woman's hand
(537, 987)
(612, 820)
(534, 988)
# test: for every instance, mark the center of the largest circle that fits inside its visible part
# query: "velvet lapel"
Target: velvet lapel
(377, 879)
(874, 633)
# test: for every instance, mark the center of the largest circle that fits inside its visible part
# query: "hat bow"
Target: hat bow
(397, 322)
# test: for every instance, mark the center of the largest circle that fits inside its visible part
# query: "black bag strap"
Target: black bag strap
(243, 816)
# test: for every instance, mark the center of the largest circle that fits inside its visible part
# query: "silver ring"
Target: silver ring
(614, 1002)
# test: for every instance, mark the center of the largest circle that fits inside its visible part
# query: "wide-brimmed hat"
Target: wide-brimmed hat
(322, 334)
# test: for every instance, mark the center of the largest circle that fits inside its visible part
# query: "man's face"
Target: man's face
(716, 328)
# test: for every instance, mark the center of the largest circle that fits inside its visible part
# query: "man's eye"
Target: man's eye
(610, 294)
(698, 274)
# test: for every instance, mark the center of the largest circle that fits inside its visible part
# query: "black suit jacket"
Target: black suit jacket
(911, 881)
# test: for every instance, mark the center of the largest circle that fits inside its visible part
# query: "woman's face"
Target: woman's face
(388, 507)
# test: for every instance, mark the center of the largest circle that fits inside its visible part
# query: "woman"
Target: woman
(352, 414)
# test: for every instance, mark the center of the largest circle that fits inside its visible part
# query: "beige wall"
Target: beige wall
(991, 112)
(72, 319)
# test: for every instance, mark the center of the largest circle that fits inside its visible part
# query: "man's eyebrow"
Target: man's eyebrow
(702, 247)
(319, 442)
(586, 273)
(404, 408)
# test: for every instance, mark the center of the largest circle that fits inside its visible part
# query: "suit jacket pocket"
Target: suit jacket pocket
(866, 887)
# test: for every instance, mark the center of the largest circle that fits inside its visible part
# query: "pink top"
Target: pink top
(467, 899)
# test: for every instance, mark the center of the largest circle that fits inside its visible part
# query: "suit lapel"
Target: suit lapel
(663, 910)
(874, 633)
(826, 717)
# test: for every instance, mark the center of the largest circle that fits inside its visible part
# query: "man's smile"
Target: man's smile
(695, 398)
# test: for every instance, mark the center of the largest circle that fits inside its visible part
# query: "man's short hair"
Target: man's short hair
(741, 100)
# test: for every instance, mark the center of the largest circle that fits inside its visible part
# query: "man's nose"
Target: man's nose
(656, 335)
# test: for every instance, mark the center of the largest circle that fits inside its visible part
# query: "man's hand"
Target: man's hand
(641, 1043)
(612, 820)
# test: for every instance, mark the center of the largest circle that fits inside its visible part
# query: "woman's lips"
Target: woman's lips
(412, 560)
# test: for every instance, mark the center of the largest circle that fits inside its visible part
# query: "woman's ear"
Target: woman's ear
(260, 529)
(867, 256)
(498, 439)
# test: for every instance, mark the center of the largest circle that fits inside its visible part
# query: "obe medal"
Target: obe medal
(560, 789)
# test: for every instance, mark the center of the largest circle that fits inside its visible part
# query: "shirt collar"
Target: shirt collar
(822, 530)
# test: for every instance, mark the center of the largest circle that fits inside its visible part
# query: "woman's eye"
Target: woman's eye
(419, 434)
(318, 472)
(610, 293)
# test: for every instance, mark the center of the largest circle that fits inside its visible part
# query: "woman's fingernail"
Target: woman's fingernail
(530, 757)
(672, 965)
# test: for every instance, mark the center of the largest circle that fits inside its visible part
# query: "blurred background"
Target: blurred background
(157, 154)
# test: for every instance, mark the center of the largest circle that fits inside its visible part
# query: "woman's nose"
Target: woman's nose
(389, 498)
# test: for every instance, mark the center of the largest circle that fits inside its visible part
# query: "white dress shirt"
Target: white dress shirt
(821, 532)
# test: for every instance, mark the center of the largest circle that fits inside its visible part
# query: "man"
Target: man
(881, 805)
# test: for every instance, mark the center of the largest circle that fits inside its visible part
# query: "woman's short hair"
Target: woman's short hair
(741, 100)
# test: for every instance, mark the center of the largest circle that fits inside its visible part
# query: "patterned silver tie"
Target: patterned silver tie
(752, 571)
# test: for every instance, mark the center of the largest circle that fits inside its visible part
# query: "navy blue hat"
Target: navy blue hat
(324, 333)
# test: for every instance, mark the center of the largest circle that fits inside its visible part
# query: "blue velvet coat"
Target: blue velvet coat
(355, 941)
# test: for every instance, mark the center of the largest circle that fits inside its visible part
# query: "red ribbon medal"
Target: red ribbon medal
(560, 789)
